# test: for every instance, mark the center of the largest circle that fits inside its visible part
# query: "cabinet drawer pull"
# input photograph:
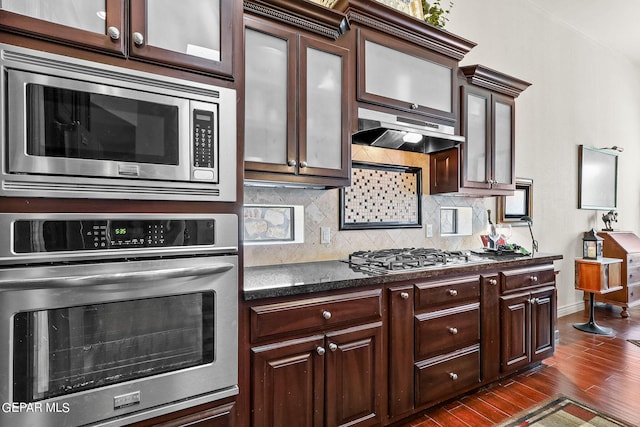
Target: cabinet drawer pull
(453, 376)
(493, 282)
(333, 346)
(453, 331)
(321, 351)
(404, 295)
(414, 106)
(453, 292)
(326, 314)
(113, 33)
(533, 278)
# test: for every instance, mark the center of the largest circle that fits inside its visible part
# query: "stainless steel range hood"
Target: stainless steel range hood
(379, 129)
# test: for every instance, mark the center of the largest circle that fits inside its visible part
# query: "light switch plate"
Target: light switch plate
(325, 235)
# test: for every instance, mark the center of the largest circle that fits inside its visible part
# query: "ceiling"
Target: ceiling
(613, 24)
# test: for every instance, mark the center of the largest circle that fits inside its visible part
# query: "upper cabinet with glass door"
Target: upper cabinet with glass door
(97, 24)
(190, 34)
(296, 111)
(488, 123)
(296, 122)
(485, 162)
(405, 64)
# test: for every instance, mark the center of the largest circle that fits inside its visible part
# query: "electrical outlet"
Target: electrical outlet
(325, 235)
(429, 230)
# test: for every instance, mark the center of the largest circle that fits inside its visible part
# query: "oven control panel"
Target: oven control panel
(81, 235)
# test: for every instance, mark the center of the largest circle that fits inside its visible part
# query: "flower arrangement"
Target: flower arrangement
(435, 14)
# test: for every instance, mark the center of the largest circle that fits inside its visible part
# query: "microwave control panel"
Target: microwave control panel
(203, 139)
(32, 236)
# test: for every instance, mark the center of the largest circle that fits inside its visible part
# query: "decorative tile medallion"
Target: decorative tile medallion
(381, 197)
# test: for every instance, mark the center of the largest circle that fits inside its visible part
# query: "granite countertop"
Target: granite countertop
(304, 278)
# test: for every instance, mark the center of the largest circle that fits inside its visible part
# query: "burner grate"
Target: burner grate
(407, 258)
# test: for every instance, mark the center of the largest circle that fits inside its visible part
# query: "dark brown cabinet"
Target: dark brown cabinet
(447, 338)
(193, 35)
(401, 343)
(422, 83)
(379, 355)
(332, 377)
(484, 163)
(488, 154)
(527, 316)
(296, 106)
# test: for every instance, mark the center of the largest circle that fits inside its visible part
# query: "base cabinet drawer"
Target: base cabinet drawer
(445, 376)
(273, 320)
(526, 278)
(447, 330)
(447, 293)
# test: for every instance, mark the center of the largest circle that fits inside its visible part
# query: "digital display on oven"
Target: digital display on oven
(32, 236)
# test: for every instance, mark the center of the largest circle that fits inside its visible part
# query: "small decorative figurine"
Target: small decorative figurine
(608, 218)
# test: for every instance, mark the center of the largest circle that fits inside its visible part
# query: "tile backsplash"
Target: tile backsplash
(321, 209)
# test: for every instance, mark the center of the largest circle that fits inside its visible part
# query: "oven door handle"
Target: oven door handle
(133, 276)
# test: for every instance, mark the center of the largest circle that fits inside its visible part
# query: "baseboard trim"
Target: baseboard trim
(571, 308)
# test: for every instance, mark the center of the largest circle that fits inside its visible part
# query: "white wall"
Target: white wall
(581, 93)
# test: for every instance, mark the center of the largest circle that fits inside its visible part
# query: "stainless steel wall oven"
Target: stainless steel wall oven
(111, 319)
(74, 128)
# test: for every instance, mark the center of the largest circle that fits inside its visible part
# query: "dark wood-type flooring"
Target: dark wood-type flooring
(601, 371)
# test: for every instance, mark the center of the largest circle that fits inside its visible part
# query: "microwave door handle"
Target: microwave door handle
(135, 276)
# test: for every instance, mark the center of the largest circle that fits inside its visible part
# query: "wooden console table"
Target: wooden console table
(597, 276)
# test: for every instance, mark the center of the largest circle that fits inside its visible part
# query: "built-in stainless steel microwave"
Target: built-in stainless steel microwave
(74, 128)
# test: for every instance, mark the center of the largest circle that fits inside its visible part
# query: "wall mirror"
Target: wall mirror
(598, 178)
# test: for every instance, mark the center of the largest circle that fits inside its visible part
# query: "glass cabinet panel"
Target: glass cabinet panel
(400, 76)
(266, 89)
(88, 15)
(324, 112)
(198, 33)
(502, 135)
(476, 144)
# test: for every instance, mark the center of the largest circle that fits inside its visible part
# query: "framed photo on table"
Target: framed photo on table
(512, 208)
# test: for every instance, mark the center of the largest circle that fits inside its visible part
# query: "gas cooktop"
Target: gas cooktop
(396, 260)
(385, 261)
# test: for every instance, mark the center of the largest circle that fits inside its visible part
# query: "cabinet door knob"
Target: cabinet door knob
(453, 376)
(320, 350)
(292, 163)
(533, 301)
(138, 39)
(333, 346)
(453, 331)
(404, 295)
(493, 282)
(113, 33)
(326, 314)
(414, 106)
(303, 164)
(452, 292)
